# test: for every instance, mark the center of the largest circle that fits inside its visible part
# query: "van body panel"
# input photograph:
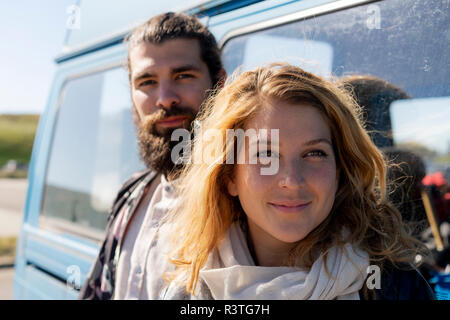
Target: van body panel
(53, 261)
(45, 256)
(123, 17)
(37, 285)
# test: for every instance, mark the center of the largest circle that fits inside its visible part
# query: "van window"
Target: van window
(422, 127)
(93, 152)
(406, 43)
(401, 42)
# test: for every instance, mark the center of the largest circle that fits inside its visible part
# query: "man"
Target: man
(173, 62)
(375, 96)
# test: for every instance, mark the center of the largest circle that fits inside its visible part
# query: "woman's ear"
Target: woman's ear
(232, 189)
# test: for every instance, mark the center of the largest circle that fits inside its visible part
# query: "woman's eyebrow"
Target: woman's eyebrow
(308, 143)
(317, 141)
(263, 142)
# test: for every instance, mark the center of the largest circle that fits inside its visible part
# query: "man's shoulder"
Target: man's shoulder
(135, 178)
(129, 186)
(140, 175)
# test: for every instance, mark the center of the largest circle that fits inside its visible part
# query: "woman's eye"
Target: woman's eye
(316, 153)
(266, 154)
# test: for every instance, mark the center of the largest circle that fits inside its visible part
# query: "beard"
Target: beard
(155, 147)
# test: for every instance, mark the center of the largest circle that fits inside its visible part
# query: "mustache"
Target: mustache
(155, 147)
(149, 122)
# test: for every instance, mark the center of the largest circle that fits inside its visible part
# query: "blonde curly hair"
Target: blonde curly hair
(207, 210)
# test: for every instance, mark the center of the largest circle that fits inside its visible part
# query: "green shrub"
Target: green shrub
(16, 137)
(8, 246)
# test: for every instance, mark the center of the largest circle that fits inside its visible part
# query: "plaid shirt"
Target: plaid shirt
(101, 279)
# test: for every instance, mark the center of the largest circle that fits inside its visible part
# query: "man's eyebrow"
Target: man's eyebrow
(188, 67)
(143, 75)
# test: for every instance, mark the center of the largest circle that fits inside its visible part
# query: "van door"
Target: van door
(87, 149)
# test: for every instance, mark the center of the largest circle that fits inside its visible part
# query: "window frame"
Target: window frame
(54, 224)
(293, 17)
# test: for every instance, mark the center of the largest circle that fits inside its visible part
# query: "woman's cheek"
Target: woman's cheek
(322, 173)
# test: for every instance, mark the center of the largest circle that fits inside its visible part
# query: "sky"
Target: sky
(426, 121)
(32, 35)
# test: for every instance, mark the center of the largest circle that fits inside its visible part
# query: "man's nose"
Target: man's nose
(167, 97)
(291, 175)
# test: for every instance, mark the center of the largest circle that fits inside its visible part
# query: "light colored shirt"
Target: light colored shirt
(139, 264)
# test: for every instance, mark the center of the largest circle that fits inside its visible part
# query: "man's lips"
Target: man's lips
(174, 121)
(289, 205)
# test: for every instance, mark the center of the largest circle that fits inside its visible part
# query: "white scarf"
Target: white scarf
(230, 273)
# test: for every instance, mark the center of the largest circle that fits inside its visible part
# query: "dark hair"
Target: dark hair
(172, 25)
(375, 96)
(405, 173)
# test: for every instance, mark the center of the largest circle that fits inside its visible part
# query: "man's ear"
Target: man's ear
(232, 189)
(222, 77)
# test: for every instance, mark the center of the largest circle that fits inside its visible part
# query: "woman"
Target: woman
(307, 230)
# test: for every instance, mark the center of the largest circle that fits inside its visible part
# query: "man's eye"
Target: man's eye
(147, 83)
(184, 76)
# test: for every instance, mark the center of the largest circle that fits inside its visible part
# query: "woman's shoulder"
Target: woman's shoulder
(403, 282)
(177, 291)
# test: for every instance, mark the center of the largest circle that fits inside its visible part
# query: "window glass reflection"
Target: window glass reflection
(94, 150)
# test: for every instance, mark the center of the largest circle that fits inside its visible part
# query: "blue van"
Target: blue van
(85, 147)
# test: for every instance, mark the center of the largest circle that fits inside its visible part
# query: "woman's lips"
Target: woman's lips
(171, 122)
(289, 206)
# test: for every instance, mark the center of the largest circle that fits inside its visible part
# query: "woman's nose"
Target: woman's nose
(291, 176)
